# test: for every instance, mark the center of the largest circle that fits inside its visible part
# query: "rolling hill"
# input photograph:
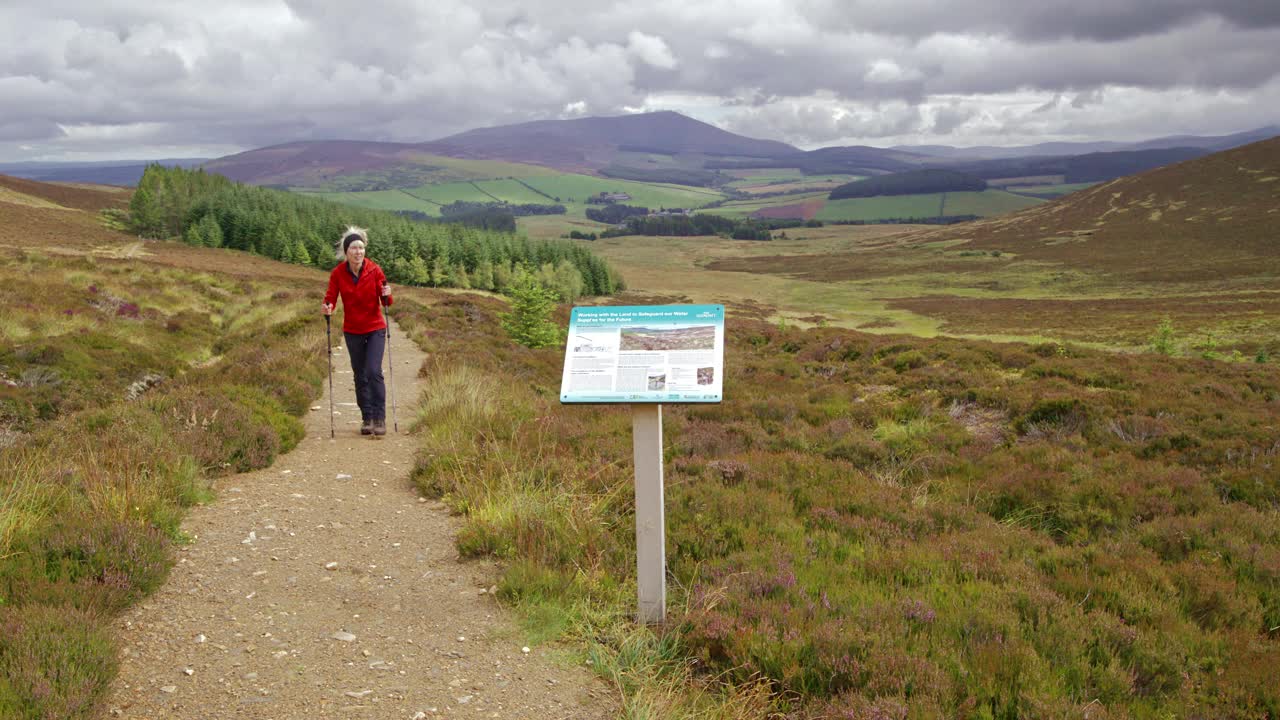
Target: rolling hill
(579, 145)
(986, 152)
(590, 143)
(1209, 220)
(1216, 215)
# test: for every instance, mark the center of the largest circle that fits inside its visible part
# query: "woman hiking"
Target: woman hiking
(362, 286)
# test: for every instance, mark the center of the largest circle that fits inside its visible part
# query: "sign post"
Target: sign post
(651, 528)
(645, 356)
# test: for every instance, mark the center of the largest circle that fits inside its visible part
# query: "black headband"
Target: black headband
(346, 241)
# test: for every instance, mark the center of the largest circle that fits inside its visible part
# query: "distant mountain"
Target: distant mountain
(111, 172)
(668, 147)
(587, 145)
(592, 143)
(987, 152)
(1214, 216)
(1221, 142)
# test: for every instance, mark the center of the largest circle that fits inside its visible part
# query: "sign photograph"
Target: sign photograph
(644, 354)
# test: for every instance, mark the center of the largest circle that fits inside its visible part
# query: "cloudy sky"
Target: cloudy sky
(110, 79)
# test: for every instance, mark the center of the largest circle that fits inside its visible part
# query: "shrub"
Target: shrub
(55, 662)
(905, 361)
(91, 563)
(221, 435)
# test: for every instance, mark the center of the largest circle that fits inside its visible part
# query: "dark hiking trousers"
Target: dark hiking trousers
(366, 363)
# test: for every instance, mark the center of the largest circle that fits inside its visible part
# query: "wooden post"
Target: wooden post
(651, 552)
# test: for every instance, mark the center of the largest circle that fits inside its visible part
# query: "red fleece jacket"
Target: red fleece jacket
(360, 310)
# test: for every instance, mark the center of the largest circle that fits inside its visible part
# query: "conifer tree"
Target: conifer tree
(529, 322)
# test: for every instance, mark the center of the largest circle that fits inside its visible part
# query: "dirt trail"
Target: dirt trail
(323, 587)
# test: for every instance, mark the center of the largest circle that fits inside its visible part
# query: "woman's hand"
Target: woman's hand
(386, 291)
(326, 308)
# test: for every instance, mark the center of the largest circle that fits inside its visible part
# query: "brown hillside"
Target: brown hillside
(1216, 216)
(79, 197)
(304, 163)
(59, 231)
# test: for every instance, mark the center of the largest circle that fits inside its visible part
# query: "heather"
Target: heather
(124, 387)
(885, 527)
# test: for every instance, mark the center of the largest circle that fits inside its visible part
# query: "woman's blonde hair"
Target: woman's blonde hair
(340, 250)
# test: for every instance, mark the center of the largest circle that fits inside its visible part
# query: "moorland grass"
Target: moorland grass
(885, 526)
(878, 279)
(111, 432)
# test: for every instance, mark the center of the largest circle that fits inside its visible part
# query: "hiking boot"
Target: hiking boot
(366, 427)
(380, 427)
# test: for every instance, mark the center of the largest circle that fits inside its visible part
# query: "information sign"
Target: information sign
(644, 354)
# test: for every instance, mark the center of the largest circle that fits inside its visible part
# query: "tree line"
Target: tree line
(615, 213)
(693, 225)
(465, 207)
(209, 210)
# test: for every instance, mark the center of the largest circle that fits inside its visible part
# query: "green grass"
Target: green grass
(380, 200)
(513, 192)
(449, 192)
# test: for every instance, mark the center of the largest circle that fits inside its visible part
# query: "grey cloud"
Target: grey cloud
(1103, 20)
(806, 124)
(254, 72)
(947, 119)
(29, 129)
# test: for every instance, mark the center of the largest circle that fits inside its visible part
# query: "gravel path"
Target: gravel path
(324, 587)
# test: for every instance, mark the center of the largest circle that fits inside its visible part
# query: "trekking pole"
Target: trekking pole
(328, 353)
(391, 368)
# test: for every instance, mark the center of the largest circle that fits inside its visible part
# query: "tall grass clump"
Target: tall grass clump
(872, 526)
(113, 433)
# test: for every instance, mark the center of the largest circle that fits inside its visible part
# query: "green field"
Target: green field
(548, 227)
(379, 199)
(513, 192)
(990, 202)
(743, 208)
(571, 189)
(786, 182)
(575, 189)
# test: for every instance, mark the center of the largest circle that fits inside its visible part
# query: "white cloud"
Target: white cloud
(652, 50)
